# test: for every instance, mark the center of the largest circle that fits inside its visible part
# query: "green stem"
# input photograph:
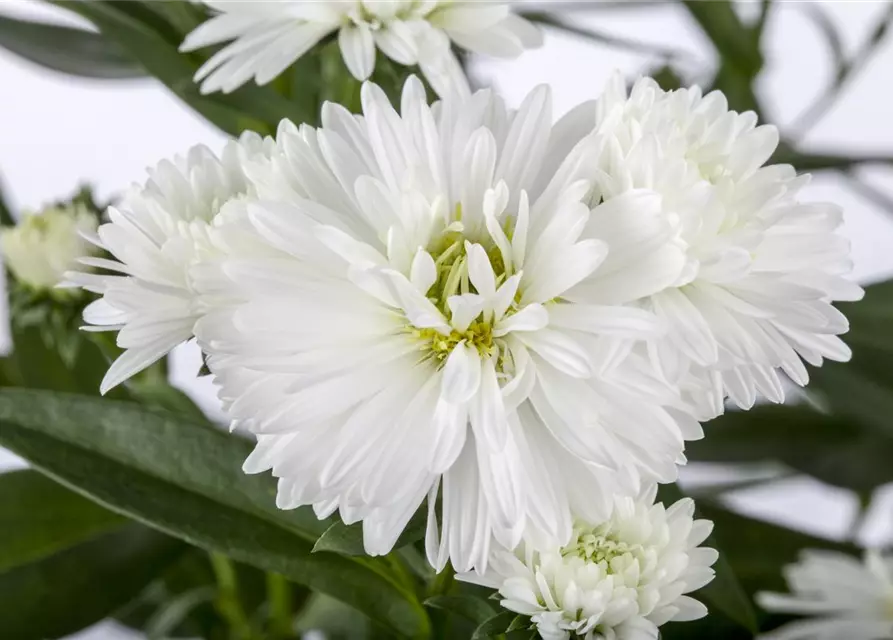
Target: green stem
(227, 603)
(442, 582)
(279, 598)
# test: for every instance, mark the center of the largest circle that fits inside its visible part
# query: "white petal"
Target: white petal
(358, 49)
(461, 374)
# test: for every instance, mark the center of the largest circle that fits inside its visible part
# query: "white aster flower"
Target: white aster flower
(755, 270)
(419, 320)
(155, 235)
(849, 599)
(43, 246)
(620, 579)
(267, 37)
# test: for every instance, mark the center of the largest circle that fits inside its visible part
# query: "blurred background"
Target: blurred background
(825, 81)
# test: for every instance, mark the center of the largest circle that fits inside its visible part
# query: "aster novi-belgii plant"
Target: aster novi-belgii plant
(845, 597)
(619, 579)
(267, 37)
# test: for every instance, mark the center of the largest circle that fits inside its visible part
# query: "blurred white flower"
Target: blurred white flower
(617, 580)
(267, 37)
(848, 598)
(43, 246)
(156, 234)
(755, 270)
(420, 318)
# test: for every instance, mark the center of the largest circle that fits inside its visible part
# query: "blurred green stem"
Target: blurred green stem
(227, 603)
(279, 600)
(608, 39)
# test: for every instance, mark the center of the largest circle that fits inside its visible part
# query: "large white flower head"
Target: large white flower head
(267, 37)
(755, 270)
(43, 246)
(155, 235)
(619, 579)
(847, 598)
(418, 322)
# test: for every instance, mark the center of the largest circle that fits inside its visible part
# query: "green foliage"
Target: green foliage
(39, 518)
(66, 562)
(184, 478)
(72, 51)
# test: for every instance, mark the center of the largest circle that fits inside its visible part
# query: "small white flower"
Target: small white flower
(157, 233)
(752, 271)
(43, 246)
(419, 322)
(267, 37)
(849, 599)
(616, 580)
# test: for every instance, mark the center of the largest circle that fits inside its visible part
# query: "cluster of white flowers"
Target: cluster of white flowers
(849, 599)
(521, 321)
(267, 37)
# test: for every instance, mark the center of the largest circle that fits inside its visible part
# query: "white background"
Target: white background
(57, 131)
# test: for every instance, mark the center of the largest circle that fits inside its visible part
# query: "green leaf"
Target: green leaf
(184, 479)
(862, 389)
(736, 44)
(155, 45)
(832, 449)
(468, 607)
(39, 517)
(348, 539)
(724, 593)
(79, 586)
(494, 626)
(6, 217)
(72, 51)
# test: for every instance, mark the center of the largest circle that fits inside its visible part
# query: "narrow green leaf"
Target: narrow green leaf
(250, 107)
(184, 480)
(166, 620)
(832, 449)
(348, 539)
(6, 217)
(79, 586)
(177, 450)
(494, 626)
(468, 607)
(724, 593)
(72, 51)
(39, 517)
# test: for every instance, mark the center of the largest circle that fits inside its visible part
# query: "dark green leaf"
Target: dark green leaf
(184, 479)
(832, 449)
(348, 539)
(172, 615)
(155, 44)
(471, 608)
(6, 217)
(335, 619)
(73, 51)
(494, 626)
(736, 44)
(724, 593)
(39, 517)
(77, 587)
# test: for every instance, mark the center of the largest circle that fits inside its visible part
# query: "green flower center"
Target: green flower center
(600, 547)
